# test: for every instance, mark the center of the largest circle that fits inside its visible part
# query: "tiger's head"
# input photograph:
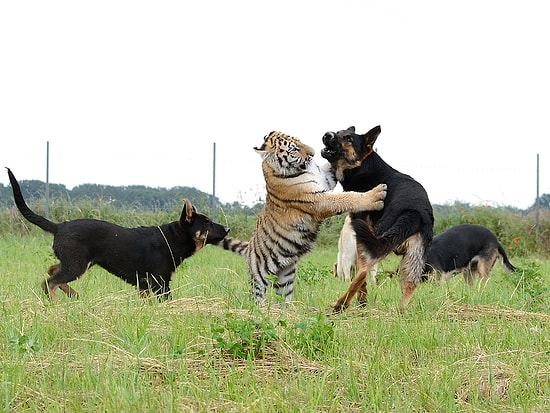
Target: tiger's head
(285, 155)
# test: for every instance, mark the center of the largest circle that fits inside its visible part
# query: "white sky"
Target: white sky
(134, 92)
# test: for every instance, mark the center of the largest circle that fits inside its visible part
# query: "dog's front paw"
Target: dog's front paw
(378, 194)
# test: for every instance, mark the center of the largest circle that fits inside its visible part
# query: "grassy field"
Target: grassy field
(455, 349)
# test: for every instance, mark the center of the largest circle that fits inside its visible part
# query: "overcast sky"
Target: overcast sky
(134, 92)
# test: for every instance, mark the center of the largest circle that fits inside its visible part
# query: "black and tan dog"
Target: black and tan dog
(404, 226)
(468, 249)
(145, 257)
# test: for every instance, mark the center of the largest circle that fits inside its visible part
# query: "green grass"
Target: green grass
(455, 349)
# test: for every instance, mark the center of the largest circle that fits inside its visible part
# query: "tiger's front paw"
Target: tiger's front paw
(378, 194)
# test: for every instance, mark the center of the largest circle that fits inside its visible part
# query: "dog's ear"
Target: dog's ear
(188, 211)
(369, 139)
(352, 129)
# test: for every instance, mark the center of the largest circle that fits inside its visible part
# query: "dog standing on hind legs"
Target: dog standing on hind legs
(404, 226)
(145, 257)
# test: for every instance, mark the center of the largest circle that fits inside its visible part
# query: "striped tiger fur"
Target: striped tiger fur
(298, 199)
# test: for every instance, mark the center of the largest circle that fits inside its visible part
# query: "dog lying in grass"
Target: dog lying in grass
(145, 257)
(468, 249)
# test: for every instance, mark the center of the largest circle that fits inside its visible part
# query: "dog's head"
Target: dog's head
(202, 229)
(346, 149)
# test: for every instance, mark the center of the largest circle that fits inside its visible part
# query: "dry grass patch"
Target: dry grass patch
(474, 311)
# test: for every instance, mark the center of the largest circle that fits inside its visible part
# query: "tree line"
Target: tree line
(123, 197)
(139, 196)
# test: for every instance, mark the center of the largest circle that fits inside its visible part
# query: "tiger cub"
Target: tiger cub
(298, 199)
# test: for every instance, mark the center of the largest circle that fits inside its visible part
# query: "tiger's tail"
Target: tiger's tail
(237, 246)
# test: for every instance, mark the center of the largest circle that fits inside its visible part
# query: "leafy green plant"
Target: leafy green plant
(312, 273)
(244, 338)
(312, 335)
(24, 344)
(530, 281)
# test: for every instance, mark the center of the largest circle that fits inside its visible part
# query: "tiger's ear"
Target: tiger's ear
(261, 152)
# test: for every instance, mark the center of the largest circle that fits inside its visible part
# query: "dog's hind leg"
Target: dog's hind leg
(358, 285)
(410, 268)
(372, 271)
(64, 287)
(408, 287)
(485, 265)
(59, 276)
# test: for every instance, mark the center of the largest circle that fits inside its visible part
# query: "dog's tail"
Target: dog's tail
(507, 265)
(42, 222)
(382, 245)
(234, 245)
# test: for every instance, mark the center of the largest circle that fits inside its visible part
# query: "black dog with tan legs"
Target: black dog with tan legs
(145, 257)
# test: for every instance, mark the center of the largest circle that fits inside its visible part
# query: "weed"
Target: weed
(311, 273)
(244, 338)
(312, 335)
(24, 344)
(530, 281)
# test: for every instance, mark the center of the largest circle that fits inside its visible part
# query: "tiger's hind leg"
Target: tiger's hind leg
(284, 285)
(258, 285)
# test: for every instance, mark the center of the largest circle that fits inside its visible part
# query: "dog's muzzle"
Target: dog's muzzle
(330, 140)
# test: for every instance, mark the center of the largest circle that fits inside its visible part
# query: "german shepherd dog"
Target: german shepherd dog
(145, 257)
(467, 249)
(404, 226)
